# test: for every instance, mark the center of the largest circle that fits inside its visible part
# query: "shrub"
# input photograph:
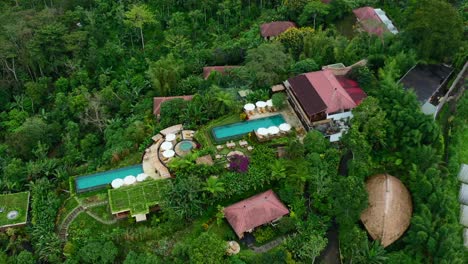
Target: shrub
(264, 234)
(239, 163)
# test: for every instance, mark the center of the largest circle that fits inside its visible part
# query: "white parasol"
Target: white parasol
(166, 145)
(249, 107)
(141, 177)
(260, 104)
(285, 127)
(117, 183)
(262, 131)
(130, 179)
(273, 130)
(170, 137)
(269, 103)
(168, 153)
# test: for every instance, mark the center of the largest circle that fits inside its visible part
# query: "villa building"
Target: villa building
(319, 95)
(255, 211)
(428, 82)
(374, 21)
(271, 30)
(463, 199)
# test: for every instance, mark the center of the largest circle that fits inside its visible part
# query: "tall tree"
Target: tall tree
(435, 27)
(138, 16)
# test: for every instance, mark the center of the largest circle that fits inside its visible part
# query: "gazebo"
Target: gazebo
(255, 211)
(390, 208)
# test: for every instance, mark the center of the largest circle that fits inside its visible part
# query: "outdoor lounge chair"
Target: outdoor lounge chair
(219, 147)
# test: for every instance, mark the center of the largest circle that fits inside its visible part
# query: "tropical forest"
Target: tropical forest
(233, 131)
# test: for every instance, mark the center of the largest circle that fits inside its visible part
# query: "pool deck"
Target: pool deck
(288, 114)
(152, 165)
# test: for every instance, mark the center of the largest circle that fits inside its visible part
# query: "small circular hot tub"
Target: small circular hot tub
(184, 147)
(12, 215)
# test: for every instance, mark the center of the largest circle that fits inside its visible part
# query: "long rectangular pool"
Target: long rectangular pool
(101, 179)
(237, 130)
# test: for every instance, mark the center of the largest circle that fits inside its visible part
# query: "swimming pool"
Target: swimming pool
(101, 179)
(237, 130)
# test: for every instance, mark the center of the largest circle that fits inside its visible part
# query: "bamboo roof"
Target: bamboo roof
(390, 208)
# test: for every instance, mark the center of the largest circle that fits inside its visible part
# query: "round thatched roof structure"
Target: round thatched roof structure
(390, 208)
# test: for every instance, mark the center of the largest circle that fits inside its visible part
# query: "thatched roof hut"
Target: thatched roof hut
(390, 208)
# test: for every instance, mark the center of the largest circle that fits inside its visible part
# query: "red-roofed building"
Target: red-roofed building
(157, 101)
(255, 211)
(316, 95)
(374, 21)
(221, 69)
(273, 29)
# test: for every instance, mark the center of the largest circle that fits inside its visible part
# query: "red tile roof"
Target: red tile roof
(370, 21)
(254, 211)
(352, 88)
(321, 91)
(157, 101)
(221, 69)
(273, 29)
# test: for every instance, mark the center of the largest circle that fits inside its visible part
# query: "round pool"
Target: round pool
(184, 147)
(12, 215)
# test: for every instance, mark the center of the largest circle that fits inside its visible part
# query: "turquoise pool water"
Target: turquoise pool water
(239, 129)
(101, 179)
(186, 145)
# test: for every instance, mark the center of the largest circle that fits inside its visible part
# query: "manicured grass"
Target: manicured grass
(102, 211)
(14, 202)
(136, 198)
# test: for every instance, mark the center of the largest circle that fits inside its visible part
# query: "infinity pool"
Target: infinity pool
(236, 130)
(101, 179)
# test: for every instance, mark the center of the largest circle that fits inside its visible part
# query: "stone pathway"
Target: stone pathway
(268, 246)
(63, 230)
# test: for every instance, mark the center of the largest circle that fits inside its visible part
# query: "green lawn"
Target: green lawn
(14, 202)
(136, 198)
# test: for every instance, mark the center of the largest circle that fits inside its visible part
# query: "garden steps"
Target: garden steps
(63, 230)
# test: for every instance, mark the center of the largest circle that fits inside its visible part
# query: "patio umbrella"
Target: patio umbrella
(249, 107)
(166, 146)
(141, 177)
(285, 127)
(260, 104)
(168, 153)
(269, 103)
(130, 179)
(262, 131)
(170, 137)
(117, 183)
(273, 130)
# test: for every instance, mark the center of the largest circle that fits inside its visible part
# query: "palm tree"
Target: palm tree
(278, 170)
(213, 186)
(375, 254)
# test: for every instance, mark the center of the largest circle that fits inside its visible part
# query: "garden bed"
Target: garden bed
(14, 209)
(136, 198)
